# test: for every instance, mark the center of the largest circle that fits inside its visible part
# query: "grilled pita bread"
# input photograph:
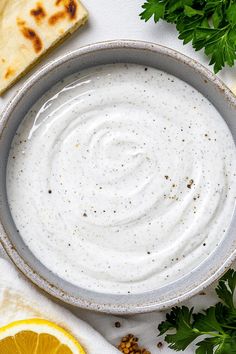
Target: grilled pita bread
(29, 28)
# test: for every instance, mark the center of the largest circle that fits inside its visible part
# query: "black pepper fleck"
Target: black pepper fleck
(190, 183)
(117, 324)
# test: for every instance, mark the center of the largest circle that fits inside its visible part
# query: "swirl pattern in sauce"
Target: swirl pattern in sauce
(122, 179)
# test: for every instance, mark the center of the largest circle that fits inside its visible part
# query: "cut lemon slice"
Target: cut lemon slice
(37, 336)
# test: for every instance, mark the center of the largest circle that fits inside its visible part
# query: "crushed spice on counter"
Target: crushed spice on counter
(129, 345)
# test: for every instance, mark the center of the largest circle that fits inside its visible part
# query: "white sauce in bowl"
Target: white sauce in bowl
(121, 179)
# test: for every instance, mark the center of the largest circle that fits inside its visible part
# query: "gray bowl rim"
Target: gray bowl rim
(17, 259)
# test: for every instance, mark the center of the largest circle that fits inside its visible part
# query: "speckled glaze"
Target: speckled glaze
(104, 53)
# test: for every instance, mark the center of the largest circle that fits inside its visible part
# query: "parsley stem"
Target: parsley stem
(213, 334)
(229, 327)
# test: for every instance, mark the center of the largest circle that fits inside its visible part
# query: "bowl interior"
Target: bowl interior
(105, 53)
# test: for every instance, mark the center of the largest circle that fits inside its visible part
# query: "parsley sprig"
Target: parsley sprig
(216, 326)
(208, 24)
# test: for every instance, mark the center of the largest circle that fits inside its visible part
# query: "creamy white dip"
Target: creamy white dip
(121, 179)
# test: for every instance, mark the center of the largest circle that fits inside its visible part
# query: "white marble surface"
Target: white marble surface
(112, 19)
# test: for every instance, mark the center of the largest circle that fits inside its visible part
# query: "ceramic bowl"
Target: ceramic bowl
(96, 54)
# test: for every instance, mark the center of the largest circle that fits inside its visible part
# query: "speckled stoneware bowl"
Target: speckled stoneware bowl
(102, 53)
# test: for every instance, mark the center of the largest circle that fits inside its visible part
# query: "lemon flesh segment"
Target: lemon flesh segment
(37, 336)
(63, 350)
(8, 346)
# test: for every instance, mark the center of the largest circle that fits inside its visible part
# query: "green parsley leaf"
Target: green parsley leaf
(226, 287)
(216, 326)
(206, 346)
(231, 14)
(226, 317)
(180, 319)
(190, 12)
(153, 8)
(217, 17)
(187, 28)
(207, 322)
(208, 24)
